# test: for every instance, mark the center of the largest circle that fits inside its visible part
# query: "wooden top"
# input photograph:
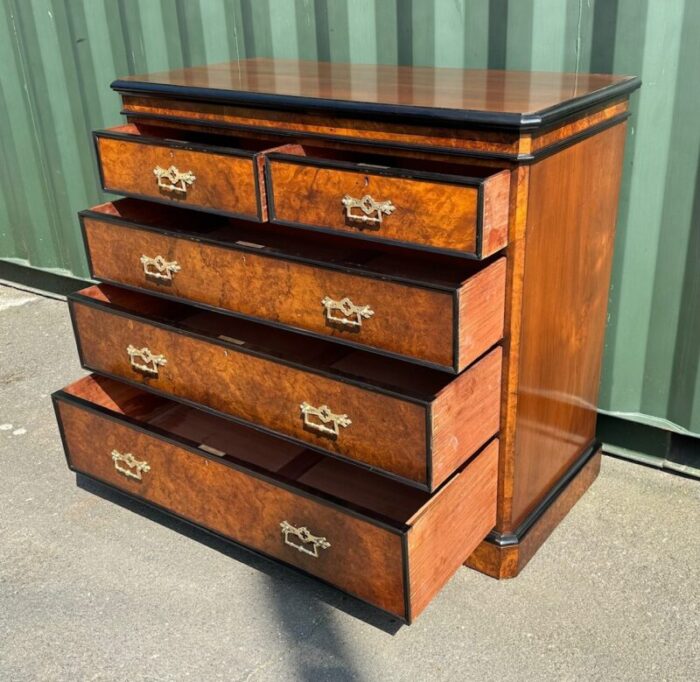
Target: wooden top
(501, 99)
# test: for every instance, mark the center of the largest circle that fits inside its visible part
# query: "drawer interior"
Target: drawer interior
(388, 164)
(421, 383)
(369, 493)
(158, 134)
(427, 269)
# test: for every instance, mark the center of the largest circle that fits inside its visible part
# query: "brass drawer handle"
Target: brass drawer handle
(352, 314)
(324, 416)
(149, 361)
(307, 538)
(172, 180)
(134, 467)
(159, 268)
(368, 206)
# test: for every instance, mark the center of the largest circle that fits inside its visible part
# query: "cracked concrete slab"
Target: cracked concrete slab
(93, 586)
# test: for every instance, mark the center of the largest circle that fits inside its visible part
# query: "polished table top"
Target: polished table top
(507, 98)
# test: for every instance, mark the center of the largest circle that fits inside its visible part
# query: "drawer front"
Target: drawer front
(357, 556)
(405, 320)
(226, 183)
(377, 430)
(439, 215)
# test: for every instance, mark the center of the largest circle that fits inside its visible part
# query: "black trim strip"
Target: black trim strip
(518, 535)
(229, 541)
(457, 322)
(406, 579)
(479, 234)
(578, 137)
(398, 113)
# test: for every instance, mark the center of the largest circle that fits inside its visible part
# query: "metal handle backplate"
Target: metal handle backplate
(173, 180)
(352, 314)
(372, 211)
(310, 543)
(159, 268)
(134, 467)
(149, 361)
(324, 417)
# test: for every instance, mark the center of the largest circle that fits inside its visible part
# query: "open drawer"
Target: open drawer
(385, 543)
(439, 206)
(414, 423)
(218, 174)
(439, 311)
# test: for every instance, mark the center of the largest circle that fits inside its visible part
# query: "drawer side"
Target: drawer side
(455, 521)
(465, 415)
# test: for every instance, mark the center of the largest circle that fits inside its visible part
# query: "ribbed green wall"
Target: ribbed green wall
(59, 56)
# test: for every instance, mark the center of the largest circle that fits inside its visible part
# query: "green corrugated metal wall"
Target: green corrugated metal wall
(59, 56)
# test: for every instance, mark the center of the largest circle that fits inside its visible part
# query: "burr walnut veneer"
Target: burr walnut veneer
(351, 317)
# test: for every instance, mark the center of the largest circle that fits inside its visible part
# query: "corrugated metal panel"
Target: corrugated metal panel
(58, 57)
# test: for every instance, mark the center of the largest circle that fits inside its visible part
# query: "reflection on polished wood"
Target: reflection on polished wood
(401, 87)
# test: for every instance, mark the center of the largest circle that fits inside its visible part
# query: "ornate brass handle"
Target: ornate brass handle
(306, 537)
(159, 268)
(324, 416)
(352, 314)
(150, 361)
(368, 206)
(134, 467)
(172, 180)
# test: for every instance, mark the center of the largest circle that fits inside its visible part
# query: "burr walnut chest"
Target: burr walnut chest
(351, 317)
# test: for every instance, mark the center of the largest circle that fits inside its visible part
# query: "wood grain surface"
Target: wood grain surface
(568, 258)
(223, 182)
(430, 213)
(451, 527)
(362, 559)
(387, 431)
(410, 320)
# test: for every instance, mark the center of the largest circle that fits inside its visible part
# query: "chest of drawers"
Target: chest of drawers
(351, 317)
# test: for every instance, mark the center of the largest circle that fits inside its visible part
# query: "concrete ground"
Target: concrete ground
(93, 590)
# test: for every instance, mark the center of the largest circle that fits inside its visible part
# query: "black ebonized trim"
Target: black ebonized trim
(408, 615)
(579, 137)
(479, 235)
(518, 535)
(397, 113)
(457, 322)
